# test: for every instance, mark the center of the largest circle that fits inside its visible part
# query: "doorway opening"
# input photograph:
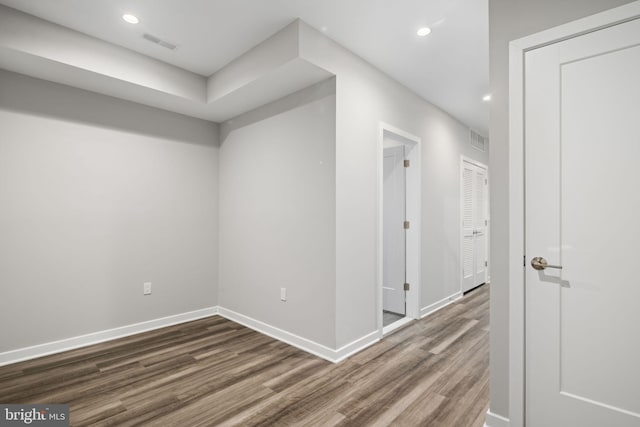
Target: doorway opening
(398, 228)
(394, 225)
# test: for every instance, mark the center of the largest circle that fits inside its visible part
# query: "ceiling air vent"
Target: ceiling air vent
(158, 41)
(478, 141)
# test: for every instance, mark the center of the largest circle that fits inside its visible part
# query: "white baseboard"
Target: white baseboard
(425, 311)
(356, 346)
(305, 344)
(495, 420)
(332, 355)
(45, 349)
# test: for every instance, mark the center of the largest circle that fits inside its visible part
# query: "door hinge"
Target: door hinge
(486, 181)
(406, 225)
(486, 264)
(524, 260)
(407, 286)
(407, 163)
(486, 222)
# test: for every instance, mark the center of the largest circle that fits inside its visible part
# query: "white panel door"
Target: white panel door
(582, 146)
(474, 225)
(393, 238)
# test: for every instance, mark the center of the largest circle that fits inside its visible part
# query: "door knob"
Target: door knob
(539, 263)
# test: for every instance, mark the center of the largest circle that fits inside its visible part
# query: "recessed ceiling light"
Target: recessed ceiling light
(424, 31)
(487, 97)
(131, 19)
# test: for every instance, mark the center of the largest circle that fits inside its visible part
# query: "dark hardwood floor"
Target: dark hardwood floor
(433, 372)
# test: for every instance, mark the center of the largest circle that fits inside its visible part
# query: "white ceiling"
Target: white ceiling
(450, 67)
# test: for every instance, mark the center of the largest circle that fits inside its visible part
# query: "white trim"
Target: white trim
(305, 344)
(495, 420)
(432, 308)
(517, 50)
(404, 134)
(589, 24)
(516, 237)
(481, 165)
(396, 325)
(355, 346)
(414, 215)
(39, 350)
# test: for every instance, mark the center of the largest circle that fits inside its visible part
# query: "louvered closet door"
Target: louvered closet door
(480, 227)
(474, 225)
(468, 244)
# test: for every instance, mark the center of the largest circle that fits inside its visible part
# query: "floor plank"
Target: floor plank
(213, 372)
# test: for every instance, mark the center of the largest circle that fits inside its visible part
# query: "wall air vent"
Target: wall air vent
(158, 41)
(478, 141)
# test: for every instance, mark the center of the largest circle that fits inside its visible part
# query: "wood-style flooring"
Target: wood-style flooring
(433, 372)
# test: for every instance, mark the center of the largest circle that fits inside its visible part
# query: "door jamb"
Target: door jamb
(413, 215)
(516, 282)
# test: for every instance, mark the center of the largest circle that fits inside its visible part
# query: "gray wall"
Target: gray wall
(366, 97)
(297, 205)
(97, 196)
(277, 213)
(332, 285)
(510, 20)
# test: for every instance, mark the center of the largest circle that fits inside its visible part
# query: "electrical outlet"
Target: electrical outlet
(147, 288)
(283, 294)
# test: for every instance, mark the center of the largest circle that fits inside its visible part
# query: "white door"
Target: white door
(474, 225)
(393, 238)
(582, 205)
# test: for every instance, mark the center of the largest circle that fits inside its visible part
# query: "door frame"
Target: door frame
(481, 165)
(413, 214)
(516, 273)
